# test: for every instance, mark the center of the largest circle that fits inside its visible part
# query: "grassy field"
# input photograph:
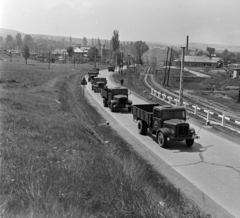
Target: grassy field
(59, 160)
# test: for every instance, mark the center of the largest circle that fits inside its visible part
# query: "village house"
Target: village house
(199, 61)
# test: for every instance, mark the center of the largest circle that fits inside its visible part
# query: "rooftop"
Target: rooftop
(200, 59)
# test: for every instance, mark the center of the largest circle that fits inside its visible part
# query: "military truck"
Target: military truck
(166, 123)
(116, 97)
(111, 68)
(98, 83)
(92, 75)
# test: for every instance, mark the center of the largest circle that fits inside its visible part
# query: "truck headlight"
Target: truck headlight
(192, 131)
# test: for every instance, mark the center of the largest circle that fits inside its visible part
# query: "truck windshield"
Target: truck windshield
(173, 114)
(119, 91)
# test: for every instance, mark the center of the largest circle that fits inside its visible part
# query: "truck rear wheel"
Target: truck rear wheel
(142, 127)
(129, 109)
(189, 142)
(161, 139)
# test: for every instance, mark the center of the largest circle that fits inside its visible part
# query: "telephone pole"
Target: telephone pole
(169, 67)
(164, 79)
(181, 78)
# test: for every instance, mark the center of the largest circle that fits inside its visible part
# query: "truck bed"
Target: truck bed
(104, 93)
(143, 111)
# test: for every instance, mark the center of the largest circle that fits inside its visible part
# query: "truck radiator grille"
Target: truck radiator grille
(122, 101)
(183, 130)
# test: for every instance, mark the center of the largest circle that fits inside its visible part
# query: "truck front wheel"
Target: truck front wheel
(161, 139)
(189, 142)
(142, 127)
(104, 103)
(129, 109)
(112, 108)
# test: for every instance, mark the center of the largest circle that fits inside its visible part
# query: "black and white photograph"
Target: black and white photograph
(114, 109)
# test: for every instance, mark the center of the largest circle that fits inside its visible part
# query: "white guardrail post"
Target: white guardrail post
(209, 113)
(152, 90)
(223, 119)
(185, 104)
(159, 94)
(176, 101)
(169, 99)
(196, 108)
(163, 97)
(155, 93)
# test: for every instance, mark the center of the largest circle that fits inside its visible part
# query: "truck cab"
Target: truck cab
(116, 97)
(98, 83)
(91, 76)
(111, 68)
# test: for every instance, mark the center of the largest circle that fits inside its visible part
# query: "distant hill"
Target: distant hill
(200, 46)
(13, 33)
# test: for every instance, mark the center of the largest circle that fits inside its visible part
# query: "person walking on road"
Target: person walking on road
(121, 82)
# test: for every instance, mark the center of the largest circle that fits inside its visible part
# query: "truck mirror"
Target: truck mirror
(129, 93)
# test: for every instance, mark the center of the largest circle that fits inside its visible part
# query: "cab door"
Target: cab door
(156, 120)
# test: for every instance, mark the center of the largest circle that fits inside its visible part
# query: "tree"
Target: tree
(28, 39)
(9, 41)
(25, 52)
(84, 41)
(92, 53)
(115, 40)
(210, 51)
(140, 48)
(19, 40)
(70, 51)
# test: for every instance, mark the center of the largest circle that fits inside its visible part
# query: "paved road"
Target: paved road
(212, 164)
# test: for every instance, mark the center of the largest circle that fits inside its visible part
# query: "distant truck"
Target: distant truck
(111, 68)
(165, 122)
(92, 75)
(116, 97)
(98, 83)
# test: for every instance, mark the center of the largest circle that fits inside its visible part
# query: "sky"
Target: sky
(170, 21)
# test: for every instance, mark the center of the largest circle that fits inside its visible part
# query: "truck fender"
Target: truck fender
(113, 102)
(164, 131)
(129, 102)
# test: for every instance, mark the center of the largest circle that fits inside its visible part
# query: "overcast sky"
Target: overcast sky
(206, 21)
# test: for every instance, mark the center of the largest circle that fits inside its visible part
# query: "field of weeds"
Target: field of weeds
(57, 161)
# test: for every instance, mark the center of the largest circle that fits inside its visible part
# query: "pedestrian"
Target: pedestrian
(121, 82)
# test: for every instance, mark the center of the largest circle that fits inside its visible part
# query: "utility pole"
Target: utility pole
(95, 57)
(11, 56)
(181, 78)
(165, 72)
(169, 68)
(128, 57)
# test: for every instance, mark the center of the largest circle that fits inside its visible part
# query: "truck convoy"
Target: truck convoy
(165, 122)
(98, 83)
(116, 97)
